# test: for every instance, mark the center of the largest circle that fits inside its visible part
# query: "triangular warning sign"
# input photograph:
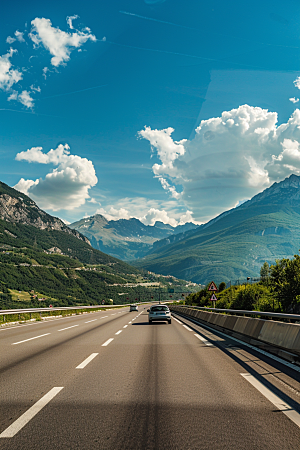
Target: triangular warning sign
(212, 287)
(213, 298)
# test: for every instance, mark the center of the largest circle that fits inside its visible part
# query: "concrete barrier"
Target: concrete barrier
(279, 334)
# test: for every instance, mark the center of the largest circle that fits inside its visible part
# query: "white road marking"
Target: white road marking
(118, 332)
(125, 326)
(104, 317)
(113, 314)
(30, 339)
(29, 414)
(206, 342)
(87, 360)
(73, 326)
(91, 321)
(177, 320)
(130, 322)
(107, 342)
(187, 328)
(243, 343)
(293, 415)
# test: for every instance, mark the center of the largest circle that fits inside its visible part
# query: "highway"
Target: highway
(109, 380)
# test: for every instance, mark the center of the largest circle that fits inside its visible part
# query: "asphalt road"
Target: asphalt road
(109, 380)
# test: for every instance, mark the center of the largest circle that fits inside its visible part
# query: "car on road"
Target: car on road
(133, 308)
(160, 313)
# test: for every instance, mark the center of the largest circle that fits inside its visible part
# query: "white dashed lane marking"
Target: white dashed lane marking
(87, 360)
(13, 429)
(187, 328)
(90, 321)
(125, 326)
(206, 342)
(118, 332)
(30, 339)
(107, 342)
(177, 320)
(73, 326)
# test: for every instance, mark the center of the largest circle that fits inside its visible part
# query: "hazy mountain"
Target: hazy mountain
(126, 239)
(236, 243)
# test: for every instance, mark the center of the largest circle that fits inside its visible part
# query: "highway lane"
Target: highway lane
(151, 387)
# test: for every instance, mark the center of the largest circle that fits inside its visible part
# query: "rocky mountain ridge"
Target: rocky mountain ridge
(126, 239)
(16, 207)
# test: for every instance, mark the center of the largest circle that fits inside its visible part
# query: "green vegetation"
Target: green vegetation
(278, 290)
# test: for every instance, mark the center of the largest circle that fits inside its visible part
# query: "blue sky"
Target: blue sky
(161, 110)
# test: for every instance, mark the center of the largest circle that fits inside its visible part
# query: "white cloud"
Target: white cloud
(23, 98)
(156, 215)
(8, 75)
(294, 100)
(147, 211)
(66, 186)
(45, 71)
(10, 39)
(169, 188)
(229, 158)
(19, 36)
(297, 82)
(58, 42)
(70, 21)
(33, 88)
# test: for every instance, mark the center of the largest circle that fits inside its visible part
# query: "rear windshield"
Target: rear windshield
(159, 308)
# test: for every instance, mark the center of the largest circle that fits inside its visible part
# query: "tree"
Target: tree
(265, 271)
(222, 286)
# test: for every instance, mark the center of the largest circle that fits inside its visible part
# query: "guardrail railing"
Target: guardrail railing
(29, 312)
(246, 313)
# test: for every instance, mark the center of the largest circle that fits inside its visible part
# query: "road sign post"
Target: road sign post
(213, 288)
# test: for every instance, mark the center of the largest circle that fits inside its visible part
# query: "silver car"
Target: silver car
(159, 312)
(133, 308)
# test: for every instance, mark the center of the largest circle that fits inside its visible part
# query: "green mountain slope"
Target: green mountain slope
(235, 244)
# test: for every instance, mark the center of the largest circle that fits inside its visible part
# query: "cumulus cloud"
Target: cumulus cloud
(147, 211)
(24, 98)
(231, 157)
(66, 186)
(57, 42)
(294, 100)
(18, 37)
(8, 75)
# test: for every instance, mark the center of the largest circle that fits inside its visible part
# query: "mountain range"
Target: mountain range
(235, 244)
(127, 239)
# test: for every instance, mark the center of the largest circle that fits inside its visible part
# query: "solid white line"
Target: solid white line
(258, 350)
(206, 342)
(107, 342)
(29, 414)
(277, 401)
(68, 328)
(91, 321)
(125, 326)
(187, 328)
(87, 360)
(30, 339)
(177, 320)
(118, 332)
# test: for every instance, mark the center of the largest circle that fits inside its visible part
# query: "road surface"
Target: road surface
(109, 380)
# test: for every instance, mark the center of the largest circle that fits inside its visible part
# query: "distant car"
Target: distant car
(133, 308)
(159, 312)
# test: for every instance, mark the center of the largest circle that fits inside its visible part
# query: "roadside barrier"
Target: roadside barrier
(258, 331)
(21, 315)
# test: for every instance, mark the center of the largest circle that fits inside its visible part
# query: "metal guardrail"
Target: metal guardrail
(247, 313)
(62, 308)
